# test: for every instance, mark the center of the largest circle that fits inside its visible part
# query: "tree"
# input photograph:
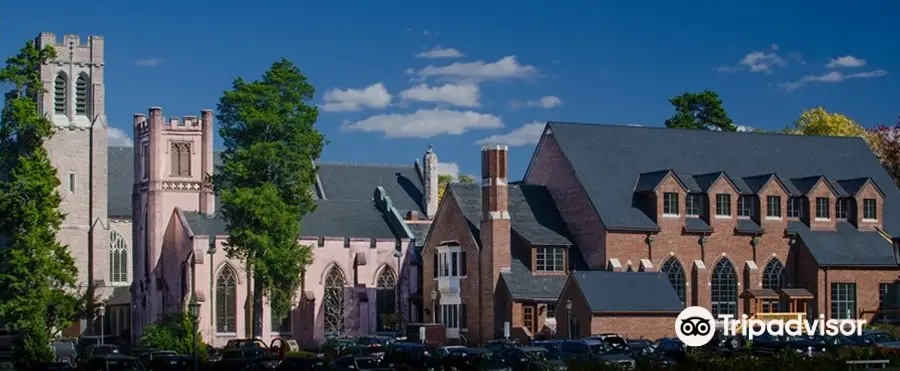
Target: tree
(37, 274)
(818, 121)
(699, 111)
(885, 142)
(445, 179)
(175, 332)
(266, 177)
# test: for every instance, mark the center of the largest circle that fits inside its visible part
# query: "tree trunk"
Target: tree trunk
(257, 309)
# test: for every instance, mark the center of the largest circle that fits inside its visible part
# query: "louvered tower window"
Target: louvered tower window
(59, 94)
(81, 95)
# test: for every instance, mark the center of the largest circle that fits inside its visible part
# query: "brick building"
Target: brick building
(717, 213)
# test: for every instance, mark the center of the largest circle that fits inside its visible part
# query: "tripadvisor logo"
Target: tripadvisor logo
(695, 326)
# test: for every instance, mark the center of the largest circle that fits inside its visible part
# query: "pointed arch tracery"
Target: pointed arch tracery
(60, 93)
(675, 272)
(118, 257)
(773, 278)
(386, 295)
(724, 288)
(333, 301)
(226, 300)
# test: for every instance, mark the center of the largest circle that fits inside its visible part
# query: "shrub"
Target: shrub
(174, 332)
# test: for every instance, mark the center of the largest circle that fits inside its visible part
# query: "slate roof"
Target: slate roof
(332, 218)
(696, 225)
(609, 159)
(747, 226)
(534, 217)
(607, 291)
(846, 246)
(533, 214)
(340, 182)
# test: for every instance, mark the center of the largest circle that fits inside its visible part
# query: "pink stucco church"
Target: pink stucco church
(152, 230)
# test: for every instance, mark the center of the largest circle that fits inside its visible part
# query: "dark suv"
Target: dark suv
(412, 356)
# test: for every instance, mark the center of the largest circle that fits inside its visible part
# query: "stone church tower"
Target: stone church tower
(74, 101)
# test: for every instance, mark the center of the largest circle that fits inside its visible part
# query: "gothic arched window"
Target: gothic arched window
(82, 94)
(724, 289)
(772, 279)
(118, 257)
(226, 301)
(60, 90)
(386, 296)
(333, 301)
(673, 269)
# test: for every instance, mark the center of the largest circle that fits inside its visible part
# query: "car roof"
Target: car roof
(532, 349)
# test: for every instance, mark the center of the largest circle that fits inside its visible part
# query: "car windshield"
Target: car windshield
(539, 355)
(880, 337)
(610, 348)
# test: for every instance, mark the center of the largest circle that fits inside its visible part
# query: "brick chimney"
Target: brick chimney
(430, 175)
(495, 236)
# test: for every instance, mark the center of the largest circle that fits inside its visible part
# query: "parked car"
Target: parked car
(242, 358)
(551, 345)
(531, 358)
(498, 345)
(638, 345)
(376, 344)
(592, 351)
(111, 362)
(147, 357)
(351, 363)
(876, 338)
(473, 359)
(64, 351)
(170, 362)
(767, 344)
(664, 353)
(412, 356)
(7, 362)
(293, 363)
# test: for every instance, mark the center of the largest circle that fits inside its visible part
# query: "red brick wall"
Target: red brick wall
(868, 191)
(821, 190)
(551, 169)
(867, 282)
(635, 326)
(449, 224)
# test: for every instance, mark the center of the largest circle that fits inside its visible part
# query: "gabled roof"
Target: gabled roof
(649, 181)
(805, 185)
(853, 186)
(607, 291)
(704, 181)
(332, 218)
(757, 182)
(624, 152)
(533, 214)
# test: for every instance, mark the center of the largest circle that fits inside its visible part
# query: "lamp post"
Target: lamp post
(212, 255)
(194, 308)
(101, 311)
(569, 317)
(434, 306)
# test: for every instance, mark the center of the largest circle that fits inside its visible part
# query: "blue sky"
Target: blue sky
(502, 64)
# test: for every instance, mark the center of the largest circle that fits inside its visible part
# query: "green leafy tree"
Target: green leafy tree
(176, 333)
(266, 178)
(37, 274)
(818, 121)
(445, 179)
(699, 111)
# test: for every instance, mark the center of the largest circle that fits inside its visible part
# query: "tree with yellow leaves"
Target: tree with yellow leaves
(444, 180)
(818, 121)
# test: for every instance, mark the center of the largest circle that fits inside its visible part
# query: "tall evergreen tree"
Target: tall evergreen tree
(701, 110)
(37, 273)
(266, 179)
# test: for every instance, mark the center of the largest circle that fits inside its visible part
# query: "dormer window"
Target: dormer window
(794, 207)
(870, 209)
(670, 204)
(723, 205)
(744, 206)
(823, 208)
(841, 208)
(773, 207)
(692, 205)
(550, 259)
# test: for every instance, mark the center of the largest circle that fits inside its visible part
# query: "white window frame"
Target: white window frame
(692, 202)
(744, 203)
(827, 209)
(450, 315)
(769, 207)
(550, 253)
(667, 197)
(794, 207)
(446, 254)
(874, 203)
(723, 216)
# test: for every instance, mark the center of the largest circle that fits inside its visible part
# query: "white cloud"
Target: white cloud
(527, 134)
(847, 61)
(425, 123)
(831, 77)
(463, 95)
(342, 100)
(440, 52)
(148, 62)
(545, 102)
(448, 168)
(116, 137)
(758, 61)
(505, 68)
(745, 128)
